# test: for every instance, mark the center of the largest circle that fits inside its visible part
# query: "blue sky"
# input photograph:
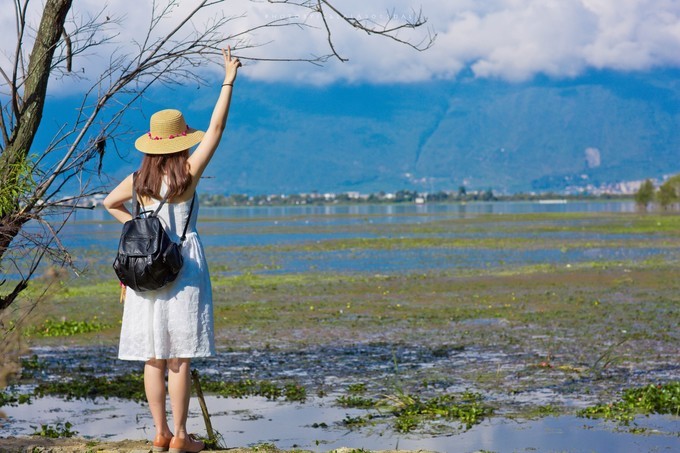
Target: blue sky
(512, 40)
(518, 43)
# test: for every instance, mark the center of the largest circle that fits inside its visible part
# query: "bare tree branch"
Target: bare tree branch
(328, 32)
(18, 55)
(416, 20)
(73, 157)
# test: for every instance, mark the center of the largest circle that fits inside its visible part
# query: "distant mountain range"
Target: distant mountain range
(538, 136)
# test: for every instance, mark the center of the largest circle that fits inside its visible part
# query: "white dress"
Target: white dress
(175, 321)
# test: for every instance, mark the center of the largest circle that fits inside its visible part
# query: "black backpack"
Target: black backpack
(147, 258)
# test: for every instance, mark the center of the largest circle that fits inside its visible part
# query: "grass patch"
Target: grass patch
(65, 328)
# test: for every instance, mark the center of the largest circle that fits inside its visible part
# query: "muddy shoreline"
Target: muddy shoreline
(534, 340)
(531, 344)
(21, 445)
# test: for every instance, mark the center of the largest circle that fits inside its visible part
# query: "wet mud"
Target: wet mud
(538, 337)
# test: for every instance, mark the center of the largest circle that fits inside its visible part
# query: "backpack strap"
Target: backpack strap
(135, 208)
(136, 203)
(186, 224)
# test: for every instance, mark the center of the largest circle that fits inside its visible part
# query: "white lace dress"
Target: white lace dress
(175, 321)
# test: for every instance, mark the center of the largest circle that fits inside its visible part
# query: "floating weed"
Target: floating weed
(32, 367)
(357, 389)
(13, 399)
(33, 363)
(358, 402)
(250, 387)
(411, 410)
(651, 399)
(356, 422)
(295, 392)
(266, 448)
(446, 350)
(52, 328)
(128, 386)
(406, 423)
(548, 410)
(55, 432)
(317, 425)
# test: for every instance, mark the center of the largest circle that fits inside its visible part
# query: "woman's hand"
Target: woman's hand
(200, 158)
(230, 66)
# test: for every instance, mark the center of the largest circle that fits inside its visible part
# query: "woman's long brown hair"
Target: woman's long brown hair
(173, 168)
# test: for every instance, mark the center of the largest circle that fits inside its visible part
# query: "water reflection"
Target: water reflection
(250, 421)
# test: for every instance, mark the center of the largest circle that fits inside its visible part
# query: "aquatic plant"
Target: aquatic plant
(8, 398)
(651, 399)
(356, 422)
(358, 402)
(248, 387)
(55, 432)
(265, 448)
(410, 410)
(127, 386)
(295, 392)
(357, 388)
(32, 364)
(217, 443)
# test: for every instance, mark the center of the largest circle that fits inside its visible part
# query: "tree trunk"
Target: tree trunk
(27, 120)
(31, 108)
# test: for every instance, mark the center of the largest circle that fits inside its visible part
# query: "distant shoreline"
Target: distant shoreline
(217, 200)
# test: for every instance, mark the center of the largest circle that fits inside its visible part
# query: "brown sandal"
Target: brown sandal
(187, 445)
(161, 443)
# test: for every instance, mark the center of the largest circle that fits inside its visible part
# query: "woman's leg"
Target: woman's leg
(179, 387)
(154, 386)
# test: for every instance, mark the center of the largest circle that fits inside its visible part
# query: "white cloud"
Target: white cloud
(507, 39)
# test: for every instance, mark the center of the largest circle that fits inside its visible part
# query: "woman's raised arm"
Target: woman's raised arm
(200, 158)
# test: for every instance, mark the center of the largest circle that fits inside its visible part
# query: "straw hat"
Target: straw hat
(168, 133)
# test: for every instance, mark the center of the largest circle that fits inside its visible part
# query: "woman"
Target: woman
(165, 328)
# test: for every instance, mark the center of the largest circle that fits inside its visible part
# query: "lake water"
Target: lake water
(255, 420)
(235, 226)
(316, 424)
(274, 239)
